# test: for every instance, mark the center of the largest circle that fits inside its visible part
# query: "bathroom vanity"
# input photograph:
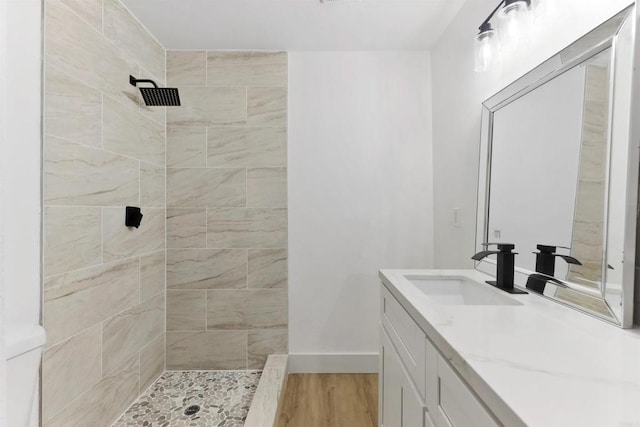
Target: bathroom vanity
(457, 352)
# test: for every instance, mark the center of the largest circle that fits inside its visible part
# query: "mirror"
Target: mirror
(557, 174)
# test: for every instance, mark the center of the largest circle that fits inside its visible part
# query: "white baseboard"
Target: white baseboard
(332, 363)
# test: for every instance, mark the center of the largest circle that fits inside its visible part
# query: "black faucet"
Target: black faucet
(505, 268)
(546, 265)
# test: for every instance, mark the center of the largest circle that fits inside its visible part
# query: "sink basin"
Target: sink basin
(456, 290)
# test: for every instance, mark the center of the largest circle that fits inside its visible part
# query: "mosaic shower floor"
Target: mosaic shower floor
(224, 398)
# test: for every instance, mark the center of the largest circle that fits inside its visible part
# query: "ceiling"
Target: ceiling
(296, 24)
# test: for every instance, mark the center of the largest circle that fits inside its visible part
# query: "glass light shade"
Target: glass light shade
(486, 49)
(545, 8)
(514, 23)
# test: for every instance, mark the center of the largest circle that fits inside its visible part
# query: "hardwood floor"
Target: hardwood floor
(330, 400)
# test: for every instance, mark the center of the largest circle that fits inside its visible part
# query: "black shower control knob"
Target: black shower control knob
(133, 216)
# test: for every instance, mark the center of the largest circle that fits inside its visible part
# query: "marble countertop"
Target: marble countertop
(535, 364)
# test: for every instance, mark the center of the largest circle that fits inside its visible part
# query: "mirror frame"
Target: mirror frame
(601, 38)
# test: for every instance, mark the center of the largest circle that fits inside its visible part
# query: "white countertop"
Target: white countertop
(535, 364)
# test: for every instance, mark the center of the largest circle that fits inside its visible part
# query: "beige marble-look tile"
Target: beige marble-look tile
(209, 106)
(187, 68)
(247, 309)
(127, 332)
(247, 74)
(186, 228)
(70, 369)
(72, 238)
(206, 187)
(246, 228)
(121, 242)
(152, 185)
(223, 57)
(186, 147)
(76, 48)
(72, 110)
(151, 362)
(267, 268)
(127, 33)
(78, 300)
(104, 402)
(186, 310)
(242, 147)
(206, 349)
(263, 342)
(266, 106)
(131, 134)
(267, 187)
(89, 10)
(152, 274)
(206, 268)
(82, 176)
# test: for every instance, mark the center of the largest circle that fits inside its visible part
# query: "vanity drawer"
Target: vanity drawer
(407, 337)
(458, 406)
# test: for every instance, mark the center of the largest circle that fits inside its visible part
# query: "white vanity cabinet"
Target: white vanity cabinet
(418, 387)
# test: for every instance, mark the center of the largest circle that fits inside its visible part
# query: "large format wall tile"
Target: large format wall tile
(206, 187)
(80, 299)
(267, 188)
(122, 28)
(206, 349)
(121, 242)
(72, 238)
(266, 106)
(89, 10)
(126, 333)
(209, 106)
(152, 274)
(151, 362)
(70, 369)
(78, 175)
(206, 268)
(186, 310)
(105, 401)
(242, 147)
(246, 57)
(245, 69)
(263, 342)
(186, 228)
(187, 147)
(152, 185)
(267, 268)
(132, 134)
(77, 49)
(72, 110)
(246, 228)
(247, 309)
(187, 68)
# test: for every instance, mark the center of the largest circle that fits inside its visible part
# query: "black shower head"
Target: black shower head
(157, 96)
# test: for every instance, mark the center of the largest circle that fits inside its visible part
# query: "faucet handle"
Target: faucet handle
(551, 251)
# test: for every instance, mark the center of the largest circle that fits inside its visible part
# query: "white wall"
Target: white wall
(20, 177)
(360, 196)
(457, 95)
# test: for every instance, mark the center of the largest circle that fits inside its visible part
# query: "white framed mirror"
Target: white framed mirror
(559, 176)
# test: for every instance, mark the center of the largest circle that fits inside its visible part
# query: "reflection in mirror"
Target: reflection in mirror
(559, 178)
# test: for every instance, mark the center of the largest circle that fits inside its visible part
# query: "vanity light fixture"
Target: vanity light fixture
(514, 22)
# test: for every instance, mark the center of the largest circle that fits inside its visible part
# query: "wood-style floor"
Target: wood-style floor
(330, 400)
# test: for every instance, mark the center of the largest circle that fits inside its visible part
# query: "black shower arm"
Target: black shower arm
(134, 81)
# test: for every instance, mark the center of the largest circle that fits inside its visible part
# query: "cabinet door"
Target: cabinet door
(390, 384)
(412, 408)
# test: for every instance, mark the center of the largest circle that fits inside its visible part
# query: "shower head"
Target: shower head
(157, 96)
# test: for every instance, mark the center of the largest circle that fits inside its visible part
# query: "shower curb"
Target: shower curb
(267, 400)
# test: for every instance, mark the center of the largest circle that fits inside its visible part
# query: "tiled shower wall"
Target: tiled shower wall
(104, 285)
(226, 209)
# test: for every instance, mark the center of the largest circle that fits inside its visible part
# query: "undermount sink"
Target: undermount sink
(457, 290)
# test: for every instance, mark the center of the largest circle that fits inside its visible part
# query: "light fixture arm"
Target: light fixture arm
(483, 26)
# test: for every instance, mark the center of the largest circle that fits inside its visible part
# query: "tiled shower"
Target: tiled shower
(202, 284)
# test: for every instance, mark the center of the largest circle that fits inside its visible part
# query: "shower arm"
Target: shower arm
(134, 81)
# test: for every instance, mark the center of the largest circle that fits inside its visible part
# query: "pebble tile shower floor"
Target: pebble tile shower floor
(224, 398)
